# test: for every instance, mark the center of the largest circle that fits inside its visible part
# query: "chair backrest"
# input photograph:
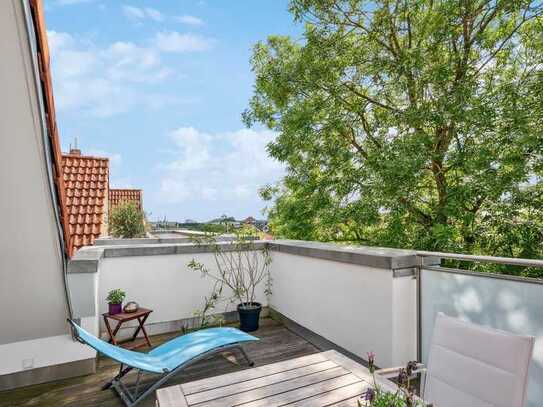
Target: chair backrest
(470, 365)
(128, 357)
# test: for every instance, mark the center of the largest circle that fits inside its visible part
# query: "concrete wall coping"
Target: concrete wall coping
(108, 241)
(165, 249)
(86, 259)
(185, 232)
(378, 257)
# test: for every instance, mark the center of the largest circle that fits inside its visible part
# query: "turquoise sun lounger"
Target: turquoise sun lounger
(165, 360)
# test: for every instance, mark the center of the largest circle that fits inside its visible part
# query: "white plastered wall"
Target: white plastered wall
(163, 283)
(357, 307)
(33, 328)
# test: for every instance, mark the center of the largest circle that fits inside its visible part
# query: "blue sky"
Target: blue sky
(159, 87)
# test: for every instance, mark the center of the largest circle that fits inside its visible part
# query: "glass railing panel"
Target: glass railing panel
(500, 302)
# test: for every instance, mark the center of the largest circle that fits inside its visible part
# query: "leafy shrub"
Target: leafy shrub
(127, 221)
(241, 267)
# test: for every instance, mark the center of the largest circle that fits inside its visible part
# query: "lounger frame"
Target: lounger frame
(132, 398)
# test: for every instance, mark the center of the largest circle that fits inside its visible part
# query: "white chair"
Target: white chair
(474, 366)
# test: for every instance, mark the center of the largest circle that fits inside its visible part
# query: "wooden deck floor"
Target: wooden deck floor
(277, 343)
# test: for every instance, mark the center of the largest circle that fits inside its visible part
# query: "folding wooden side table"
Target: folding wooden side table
(141, 316)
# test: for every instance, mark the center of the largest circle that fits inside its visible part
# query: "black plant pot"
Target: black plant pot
(249, 313)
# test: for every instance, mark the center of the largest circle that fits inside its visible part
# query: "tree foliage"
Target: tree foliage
(127, 221)
(414, 124)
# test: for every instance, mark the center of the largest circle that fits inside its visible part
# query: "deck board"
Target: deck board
(251, 374)
(269, 392)
(330, 397)
(251, 384)
(304, 392)
(277, 344)
(304, 381)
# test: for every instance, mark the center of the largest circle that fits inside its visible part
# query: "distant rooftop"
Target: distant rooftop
(117, 196)
(86, 182)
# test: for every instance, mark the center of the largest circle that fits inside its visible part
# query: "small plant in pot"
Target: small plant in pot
(115, 301)
(404, 396)
(240, 268)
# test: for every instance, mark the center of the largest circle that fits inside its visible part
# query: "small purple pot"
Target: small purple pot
(115, 308)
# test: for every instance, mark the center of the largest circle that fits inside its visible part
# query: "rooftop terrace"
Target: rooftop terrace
(351, 298)
(277, 343)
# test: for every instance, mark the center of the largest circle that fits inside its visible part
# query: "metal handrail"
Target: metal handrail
(484, 259)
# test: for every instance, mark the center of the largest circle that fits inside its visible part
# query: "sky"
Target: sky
(159, 88)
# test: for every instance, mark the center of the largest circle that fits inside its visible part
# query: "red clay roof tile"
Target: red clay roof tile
(38, 17)
(116, 196)
(86, 181)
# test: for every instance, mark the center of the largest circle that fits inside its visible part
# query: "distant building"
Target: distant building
(89, 200)
(118, 196)
(250, 221)
(165, 224)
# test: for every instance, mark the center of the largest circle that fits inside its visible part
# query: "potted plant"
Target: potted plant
(115, 301)
(240, 268)
(404, 396)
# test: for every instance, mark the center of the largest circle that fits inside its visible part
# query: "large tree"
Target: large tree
(408, 123)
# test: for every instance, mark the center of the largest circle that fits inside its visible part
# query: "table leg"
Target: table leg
(137, 331)
(110, 333)
(141, 321)
(119, 323)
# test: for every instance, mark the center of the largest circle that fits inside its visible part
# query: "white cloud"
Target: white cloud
(189, 20)
(134, 13)
(228, 166)
(137, 14)
(173, 41)
(101, 81)
(153, 14)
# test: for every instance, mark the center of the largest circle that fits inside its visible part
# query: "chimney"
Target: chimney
(75, 150)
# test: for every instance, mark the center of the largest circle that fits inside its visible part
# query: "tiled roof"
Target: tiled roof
(38, 17)
(86, 181)
(116, 196)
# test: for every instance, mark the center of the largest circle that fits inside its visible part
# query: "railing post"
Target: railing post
(419, 309)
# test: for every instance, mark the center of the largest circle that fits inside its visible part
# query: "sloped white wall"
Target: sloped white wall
(31, 288)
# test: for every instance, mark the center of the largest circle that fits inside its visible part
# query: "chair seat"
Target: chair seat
(172, 354)
(184, 348)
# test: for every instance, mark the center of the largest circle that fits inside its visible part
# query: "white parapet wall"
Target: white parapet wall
(360, 299)
(163, 283)
(359, 307)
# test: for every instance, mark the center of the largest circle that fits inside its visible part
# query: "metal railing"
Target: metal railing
(508, 261)
(501, 299)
